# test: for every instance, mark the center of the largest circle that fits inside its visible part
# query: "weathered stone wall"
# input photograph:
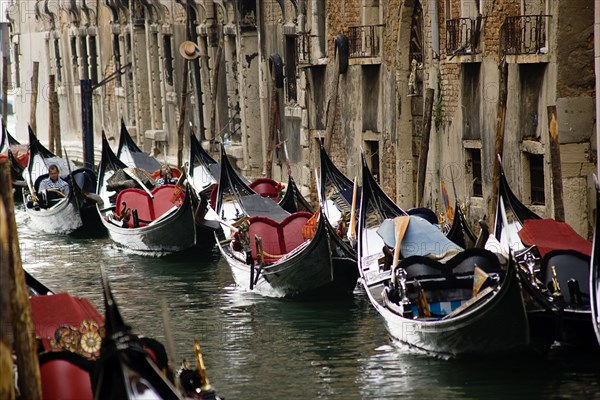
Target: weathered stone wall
(575, 48)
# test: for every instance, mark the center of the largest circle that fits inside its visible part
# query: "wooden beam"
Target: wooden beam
(331, 107)
(182, 112)
(19, 314)
(34, 95)
(4, 88)
(557, 183)
(499, 143)
(423, 152)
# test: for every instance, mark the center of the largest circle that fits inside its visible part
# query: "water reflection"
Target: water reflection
(256, 347)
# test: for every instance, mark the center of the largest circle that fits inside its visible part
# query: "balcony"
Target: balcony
(462, 36)
(365, 41)
(303, 48)
(525, 35)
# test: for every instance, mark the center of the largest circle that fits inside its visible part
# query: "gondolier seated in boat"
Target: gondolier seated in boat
(166, 176)
(54, 186)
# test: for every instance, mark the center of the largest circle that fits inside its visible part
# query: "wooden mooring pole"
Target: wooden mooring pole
(182, 114)
(557, 184)
(34, 96)
(16, 312)
(4, 88)
(423, 153)
(499, 143)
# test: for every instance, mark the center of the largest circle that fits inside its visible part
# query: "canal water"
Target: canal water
(257, 347)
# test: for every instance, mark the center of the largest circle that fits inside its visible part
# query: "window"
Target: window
(447, 10)
(471, 100)
(84, 58)
(370, 97)
(168, 54)
(117, 57)
(372, 156)
(536, 171)
(74, 59)
(531, 78)
(290, 67)
(93, 59)
(474, 157)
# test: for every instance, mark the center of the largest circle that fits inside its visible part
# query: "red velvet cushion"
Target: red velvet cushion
(163, 199)
(136, 199)
(267, 187)
(277, 238)
(62, 379)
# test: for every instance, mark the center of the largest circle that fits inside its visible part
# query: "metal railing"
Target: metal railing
(525, 34)
(462, 36)
(303, 48)
(365, 41)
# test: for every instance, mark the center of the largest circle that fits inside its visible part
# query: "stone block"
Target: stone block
(575, 117)
(156, 135)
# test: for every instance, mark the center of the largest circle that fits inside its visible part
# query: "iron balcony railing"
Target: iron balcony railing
(365, 41)
(525, 34)
(462, 36)
(303, 48)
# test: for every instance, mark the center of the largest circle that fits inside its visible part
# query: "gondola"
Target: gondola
(203, 169)
(125, 369)
(287, 264)
(438, 307)
(554, 266)
(18, 156)
(460, 232)
(337, 194)
(595, 272)
(131, 155)
(57, 214)
(87, 355)
(159, 222)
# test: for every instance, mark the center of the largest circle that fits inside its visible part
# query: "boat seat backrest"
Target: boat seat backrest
(465, 261)
(38, 181)
(163, 199)
(85, 178)
(266, 187)
(420, 267)
(569, 264)
(65, 375)
(278, 238)
(136, 199)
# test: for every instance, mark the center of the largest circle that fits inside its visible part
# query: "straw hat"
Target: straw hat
(189, 50)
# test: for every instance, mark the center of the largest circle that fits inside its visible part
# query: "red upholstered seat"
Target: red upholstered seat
(266, 187)
(213, 196)
(135, 199)
(163, 199)
(64, 379)
(278, 238)
(148, 209)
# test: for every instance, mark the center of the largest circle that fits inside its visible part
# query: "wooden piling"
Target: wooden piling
(499, 143)
(557, 184)
(273, 127)
(18, 315)
(182, 113)
(331, 107)
(423, 152)
(34, 96)
(4, 88)
(51, 132)
(214, 91)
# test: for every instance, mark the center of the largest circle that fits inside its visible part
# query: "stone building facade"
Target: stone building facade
(273, 72)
